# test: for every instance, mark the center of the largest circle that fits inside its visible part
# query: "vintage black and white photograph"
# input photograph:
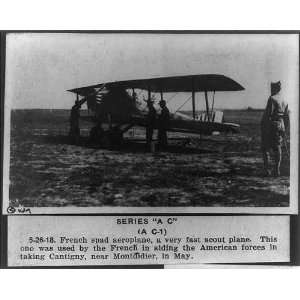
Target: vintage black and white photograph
(151, 122)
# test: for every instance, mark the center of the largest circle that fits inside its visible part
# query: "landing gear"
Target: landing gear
(111, 138)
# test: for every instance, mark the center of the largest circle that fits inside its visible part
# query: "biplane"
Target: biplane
(115, 103)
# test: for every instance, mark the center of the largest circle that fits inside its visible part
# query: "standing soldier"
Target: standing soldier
(163, 124)
(274, 122)
(74, 123)
(151, 119)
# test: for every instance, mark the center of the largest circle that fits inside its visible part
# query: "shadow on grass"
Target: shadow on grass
(128, 146)
(257, 198)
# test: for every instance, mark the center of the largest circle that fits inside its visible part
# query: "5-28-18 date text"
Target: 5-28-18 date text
(41, 239)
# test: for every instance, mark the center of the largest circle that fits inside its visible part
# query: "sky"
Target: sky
(41, 67)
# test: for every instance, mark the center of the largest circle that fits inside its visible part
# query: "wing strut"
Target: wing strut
(134, 96)
(193, 102)
(207, 106)
(213, 102)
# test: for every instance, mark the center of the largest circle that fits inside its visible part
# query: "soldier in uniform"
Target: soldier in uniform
(274, 123)
(151, 119)
(163, 124)
(74, 123)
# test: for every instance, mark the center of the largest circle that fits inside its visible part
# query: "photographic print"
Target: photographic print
(151, 122)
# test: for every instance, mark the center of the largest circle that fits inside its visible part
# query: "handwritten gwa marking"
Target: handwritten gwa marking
(21, 210)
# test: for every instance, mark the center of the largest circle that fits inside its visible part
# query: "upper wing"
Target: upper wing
(197, 83)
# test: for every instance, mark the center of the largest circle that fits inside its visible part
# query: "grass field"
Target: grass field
(46, 170)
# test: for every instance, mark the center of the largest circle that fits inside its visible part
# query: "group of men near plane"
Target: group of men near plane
(274, 124)
(153, 119)
(162, 121)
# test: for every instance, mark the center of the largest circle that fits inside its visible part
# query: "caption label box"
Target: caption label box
(99, 240)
